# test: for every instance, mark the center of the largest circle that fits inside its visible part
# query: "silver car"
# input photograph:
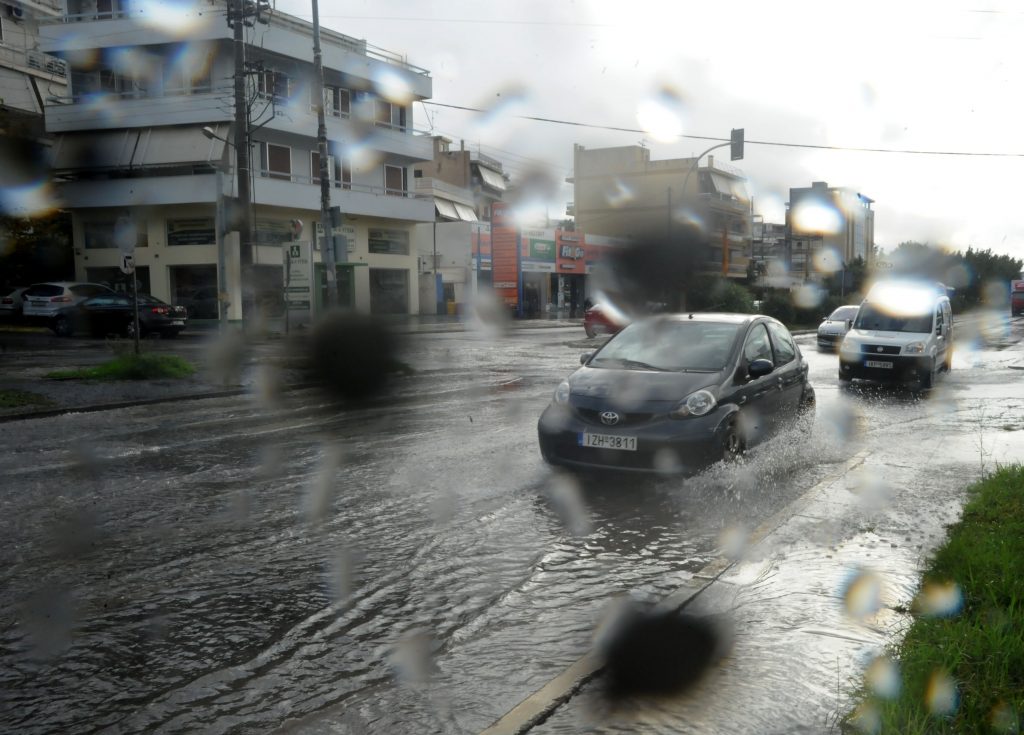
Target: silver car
(44, 300)
(835, 326)
(10, 302)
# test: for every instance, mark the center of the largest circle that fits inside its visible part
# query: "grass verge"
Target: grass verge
(130, 367)
(962, 665)
(22, 398)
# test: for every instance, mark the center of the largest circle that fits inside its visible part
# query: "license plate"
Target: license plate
(607, 441)
(878, 364)
(38, 303)
(177, 323)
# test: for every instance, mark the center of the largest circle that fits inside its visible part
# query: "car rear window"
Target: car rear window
(45, 289)
(89, 289)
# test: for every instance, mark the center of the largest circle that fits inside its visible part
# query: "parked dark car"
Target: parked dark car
(112, 314)
(675, 393)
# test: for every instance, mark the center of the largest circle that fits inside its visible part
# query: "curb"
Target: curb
(97, 407)
(540, 705)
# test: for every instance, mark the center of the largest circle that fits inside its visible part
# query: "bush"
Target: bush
(130, 366)
(720, 294)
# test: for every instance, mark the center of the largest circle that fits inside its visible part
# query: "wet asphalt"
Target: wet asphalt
(272, 562)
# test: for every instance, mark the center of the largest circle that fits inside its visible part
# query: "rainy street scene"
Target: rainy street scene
(455, 368)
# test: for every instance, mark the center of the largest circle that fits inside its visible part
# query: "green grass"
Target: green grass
(21, 398)
(130, 367)
(982, 647)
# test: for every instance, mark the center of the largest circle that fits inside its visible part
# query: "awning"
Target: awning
(728, 186)
(492, 178)
(138, 148)
(446, 208)
(465, 213)
(16, 92)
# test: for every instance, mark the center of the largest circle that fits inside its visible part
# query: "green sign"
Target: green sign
(542, 250)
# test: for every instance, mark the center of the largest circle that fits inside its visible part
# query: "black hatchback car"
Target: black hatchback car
(675, 393)
(112, 314)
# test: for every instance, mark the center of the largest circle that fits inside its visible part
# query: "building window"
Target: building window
(276, 161)
(389, 115)
(388, 242)
(337, 101)
(272, 232)
(395, 181)
(99, 235)
(274, 84)
(339, 171)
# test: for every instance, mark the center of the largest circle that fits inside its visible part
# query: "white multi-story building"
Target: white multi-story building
(130, 142)
(27, 75)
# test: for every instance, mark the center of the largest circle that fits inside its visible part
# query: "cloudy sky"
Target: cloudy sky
(922, 76)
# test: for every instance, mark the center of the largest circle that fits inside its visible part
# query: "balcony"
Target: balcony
(35, 62)
(107, 111)
(303, 192)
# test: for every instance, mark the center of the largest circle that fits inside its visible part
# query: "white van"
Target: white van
(903, 333)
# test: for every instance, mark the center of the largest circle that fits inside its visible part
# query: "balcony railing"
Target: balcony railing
(437, 185)
(486, 160)
(34, 60)
(346, 185)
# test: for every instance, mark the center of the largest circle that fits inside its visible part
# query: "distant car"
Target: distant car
(11, 302)
(112, 314)
(201, 303)
(675, 393)
(601, 319)
(835, 326)
(45, 300)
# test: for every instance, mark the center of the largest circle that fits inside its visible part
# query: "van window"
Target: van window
(872, 317)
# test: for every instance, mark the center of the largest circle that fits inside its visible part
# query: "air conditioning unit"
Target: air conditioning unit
(15, 12)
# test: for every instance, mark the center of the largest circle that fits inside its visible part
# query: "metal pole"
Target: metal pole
(135, 308)
(668, 216)
(327, 250)
(236, 18)
(222, 276)
(697, 160)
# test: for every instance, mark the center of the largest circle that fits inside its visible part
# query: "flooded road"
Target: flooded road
(270, 564)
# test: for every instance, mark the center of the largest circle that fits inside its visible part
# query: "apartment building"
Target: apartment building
(821, 216)
(27, 75)
(145, 133)
(481, 175)
(622, 192)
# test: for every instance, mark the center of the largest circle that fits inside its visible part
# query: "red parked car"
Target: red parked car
(601, 319)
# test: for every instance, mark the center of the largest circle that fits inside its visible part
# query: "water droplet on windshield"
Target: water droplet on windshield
(939, 599)
(883, 677)
(862, 596)
(563, 491)
(941, 695)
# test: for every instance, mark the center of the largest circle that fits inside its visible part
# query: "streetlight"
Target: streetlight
(219, 227)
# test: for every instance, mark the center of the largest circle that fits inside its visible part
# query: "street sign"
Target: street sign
(128, 264)
(298, 286)
(125, 236)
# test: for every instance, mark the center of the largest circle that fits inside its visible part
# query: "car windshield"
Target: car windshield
(874, 318)
(843, 313)
(669, 345)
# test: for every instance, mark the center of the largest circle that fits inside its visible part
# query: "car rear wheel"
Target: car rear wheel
(62, 327)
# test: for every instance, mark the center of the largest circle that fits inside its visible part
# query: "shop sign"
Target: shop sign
(572, 251)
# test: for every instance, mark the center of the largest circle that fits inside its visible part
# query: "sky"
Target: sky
(923, 76)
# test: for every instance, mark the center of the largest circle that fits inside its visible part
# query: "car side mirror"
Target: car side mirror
(585, 357)
(759, 368)
(849, 323)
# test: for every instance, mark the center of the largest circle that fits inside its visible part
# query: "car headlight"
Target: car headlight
(562, 392)
(914, 348)
(696, 404)
(849, 348)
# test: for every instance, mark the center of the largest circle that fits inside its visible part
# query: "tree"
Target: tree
(35, 249)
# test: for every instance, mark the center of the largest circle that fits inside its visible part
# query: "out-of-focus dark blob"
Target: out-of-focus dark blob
(656, 272)
(354, 356)
(651, 652)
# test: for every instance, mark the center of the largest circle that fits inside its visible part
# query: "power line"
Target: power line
(775, 143)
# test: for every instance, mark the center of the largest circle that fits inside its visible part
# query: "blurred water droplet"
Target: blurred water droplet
(563, 491)
(1004, 719)
(75, 533)
(271, 462)
(839, 422)
(442, 508)
(173, 18)
(268, 386)
(828, 260)
(321, 490)
(733, 541)
(871, 489)
(941, 695)
(620, 194)
(499, 105)
(353, 356)
(662, 114)
(808, 296)
(939, 599)
(866, 718)
(862, 595)
(667, 462)
(338, 575)
(814, 218)
(48, 618)
(390, 85)
(488, 313)
(413, 657)
(225, 357)
(883, 677)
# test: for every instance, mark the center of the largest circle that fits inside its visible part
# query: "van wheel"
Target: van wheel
(62, 327)
(928, 377)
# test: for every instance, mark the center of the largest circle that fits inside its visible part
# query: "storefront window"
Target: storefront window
(389, 242)
(191, 232)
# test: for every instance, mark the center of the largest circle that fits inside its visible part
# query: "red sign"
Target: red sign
(504, 259)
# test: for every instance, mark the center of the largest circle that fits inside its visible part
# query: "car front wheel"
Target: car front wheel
(733, 445)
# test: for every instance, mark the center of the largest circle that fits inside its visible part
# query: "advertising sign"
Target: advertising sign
(191, 232)
(298, 274)
(504, 254)
(538, 252)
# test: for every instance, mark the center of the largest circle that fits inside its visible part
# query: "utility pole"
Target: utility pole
(327, 249)
(237, 15)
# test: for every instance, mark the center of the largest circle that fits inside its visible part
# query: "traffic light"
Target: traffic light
(337, 218)
(736, 144)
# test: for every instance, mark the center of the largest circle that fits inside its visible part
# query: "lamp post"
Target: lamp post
(221, 227)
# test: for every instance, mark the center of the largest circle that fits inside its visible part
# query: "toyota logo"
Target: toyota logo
(609, 418)
(881, 349)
